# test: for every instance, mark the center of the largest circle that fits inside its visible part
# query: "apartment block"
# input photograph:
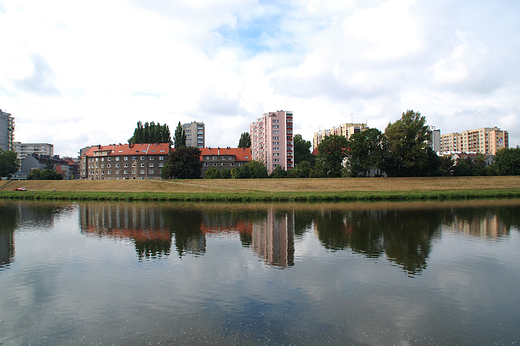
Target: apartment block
(483, 141)
(25, 149)
(124, 161)
(435, 139)
(345, 130)
(195, 134)
(272, 140)
(6, 131)
(224, 158)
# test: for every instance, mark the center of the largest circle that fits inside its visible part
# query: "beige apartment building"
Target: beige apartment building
(6, 131)
(483, 141)
(25, 149)
(195, 134)
(345, 130)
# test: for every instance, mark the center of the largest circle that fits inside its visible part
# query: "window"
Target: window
(102, 159)
(150, 171)
(161, 158)
(151, 158)
(222, 164)
(151, 165)
(214, 164)
(125, 158)
(161, 164)
(276, 131)
(276, 143)
(108, 165)
(142, 158)
(276, 126)
(133, 164)
(133, 158)
(142, 164)
(102, 165)
(117, 165)
(117, 172)
(109, 172)
(276, 148)
(109, 159)
(276, 137)
(142, 171)
(117, 158)
(126, 164)
(205, 164)
(126, 172)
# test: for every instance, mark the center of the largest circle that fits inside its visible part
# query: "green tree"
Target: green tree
(47, 174)
(34, 174)
(408, 138)
(301, 170)
(8, 163)
(245, 140)
(331, 153)
(367, 151)
(507, 161)
(151, 133)
(180, 137)
(212, 173)
(252, 169)
(447, 166)
(183, 163)
(225, 173)
(278, 172)
(302, 149)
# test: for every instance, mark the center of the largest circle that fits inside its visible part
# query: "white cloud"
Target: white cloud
(94, 69)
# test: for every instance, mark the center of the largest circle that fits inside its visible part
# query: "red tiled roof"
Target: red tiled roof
(239, 153)
(131, 149)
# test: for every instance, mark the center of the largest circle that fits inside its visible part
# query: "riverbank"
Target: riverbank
(323, 189)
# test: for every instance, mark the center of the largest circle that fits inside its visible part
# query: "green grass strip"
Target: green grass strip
(267, 196)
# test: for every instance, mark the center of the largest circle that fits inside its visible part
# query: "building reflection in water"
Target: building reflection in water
(270, 233)
(480, 223)
(7, 227)
(273, 238)
(142, 225)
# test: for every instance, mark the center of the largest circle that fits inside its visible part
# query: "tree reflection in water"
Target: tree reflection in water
(402, 232)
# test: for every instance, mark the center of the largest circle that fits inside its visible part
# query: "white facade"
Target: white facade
(6, 131)
(25, 149)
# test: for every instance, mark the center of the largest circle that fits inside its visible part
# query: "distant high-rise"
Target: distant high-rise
(25, 149)
(485, 140)
(6, 131)
(272, 140)
(195, 134)
(345, 130)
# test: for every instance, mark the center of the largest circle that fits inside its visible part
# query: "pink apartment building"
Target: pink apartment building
(272, 140)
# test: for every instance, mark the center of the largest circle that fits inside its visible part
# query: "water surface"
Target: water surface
(440, 273)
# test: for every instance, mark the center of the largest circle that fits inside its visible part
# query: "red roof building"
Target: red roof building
(124, 161)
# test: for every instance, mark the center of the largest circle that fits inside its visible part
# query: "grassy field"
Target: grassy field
(269, 189)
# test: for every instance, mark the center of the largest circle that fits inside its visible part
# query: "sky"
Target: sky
(79, 73)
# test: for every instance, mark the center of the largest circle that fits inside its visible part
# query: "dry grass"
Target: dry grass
(276, 185)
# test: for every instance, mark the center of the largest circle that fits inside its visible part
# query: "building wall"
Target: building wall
(484, 141)
(224, 158)
(272, 140)
(6, 131)
(25, 149)
(345, 130)
(195, 134)
(127, 161)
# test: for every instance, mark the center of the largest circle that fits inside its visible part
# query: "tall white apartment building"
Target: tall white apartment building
(272, 140)
(6, 131)
(345, 130)
(195, 134)
(485, 140)
(26, 149)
